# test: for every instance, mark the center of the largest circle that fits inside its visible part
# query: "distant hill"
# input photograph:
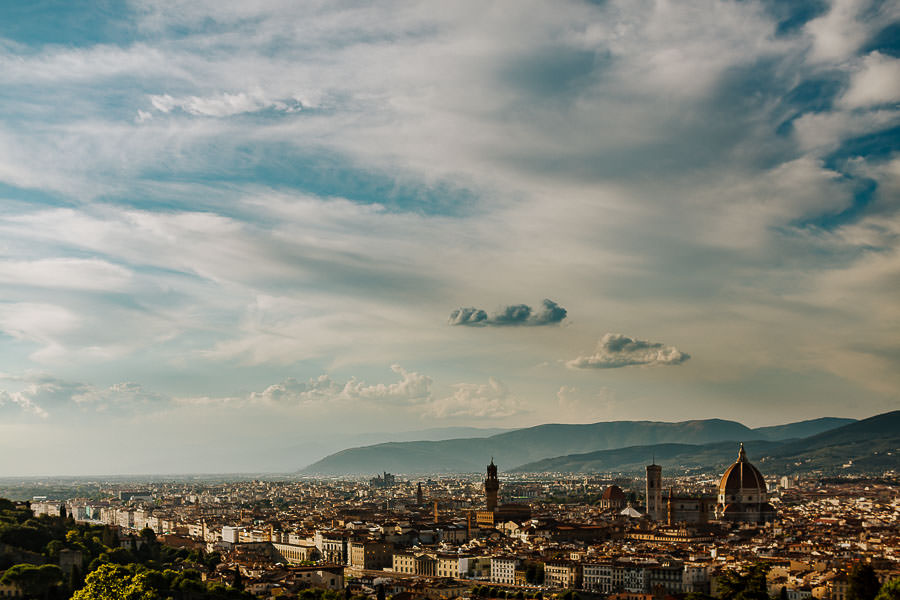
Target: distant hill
(802, 429)
(514, 448)
(715, 457)
(871, 444)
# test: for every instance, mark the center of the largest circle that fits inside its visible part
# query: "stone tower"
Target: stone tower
(654, 492)
(491, 486)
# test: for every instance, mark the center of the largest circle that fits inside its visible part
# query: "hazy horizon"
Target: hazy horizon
(236, 233)
(300, 457)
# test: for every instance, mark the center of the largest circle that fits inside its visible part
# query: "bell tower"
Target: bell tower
(491, 486)
(654, 492)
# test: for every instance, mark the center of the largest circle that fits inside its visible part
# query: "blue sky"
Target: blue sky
(233, 235)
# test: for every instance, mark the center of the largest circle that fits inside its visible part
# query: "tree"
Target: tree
(751, 585)
(889, 591)
(148, 535)
(34, 581)
(862, 583)
(53, 549)
(118, 582)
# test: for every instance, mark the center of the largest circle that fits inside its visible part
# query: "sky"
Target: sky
(234, 235)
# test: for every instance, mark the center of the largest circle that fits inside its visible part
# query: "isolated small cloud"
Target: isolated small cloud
(615, 350)
(550, 313)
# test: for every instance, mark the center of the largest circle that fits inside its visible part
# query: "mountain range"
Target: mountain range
(522, 447)
(868, 445)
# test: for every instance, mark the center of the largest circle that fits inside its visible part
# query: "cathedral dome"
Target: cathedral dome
(742, 476)
(613, 493)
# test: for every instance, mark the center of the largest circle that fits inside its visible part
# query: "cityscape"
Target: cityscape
(430, 300)
(623, 536)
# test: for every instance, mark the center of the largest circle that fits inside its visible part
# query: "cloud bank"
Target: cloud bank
(615, 350)
(411, 389)
(491, 400)
(550, 313)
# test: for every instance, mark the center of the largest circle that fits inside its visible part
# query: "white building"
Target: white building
(503, 569)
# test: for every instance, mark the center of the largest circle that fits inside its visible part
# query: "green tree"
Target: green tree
(148, 535)
(862, 583)
(889, 591)
(34, 581)
(53, 548)
(750, 585)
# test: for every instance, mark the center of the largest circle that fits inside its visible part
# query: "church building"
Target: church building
(742, 497)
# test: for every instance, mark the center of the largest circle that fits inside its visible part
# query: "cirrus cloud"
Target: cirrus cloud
(615, 350)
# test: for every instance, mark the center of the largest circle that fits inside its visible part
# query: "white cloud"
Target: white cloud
(840, 31)
(23, 401)
(619, 154)
(44, 324)
(822, 132)
(122, 398)
(412, 388)
(64, 64)
(72, 273)
(491, 400)
(52, 397)
(877, 82)
(41, 395)
(225, 104)
(615, 350)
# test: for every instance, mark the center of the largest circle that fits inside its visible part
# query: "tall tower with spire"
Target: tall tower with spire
(654, 491)
(491, 486)
(420, 497)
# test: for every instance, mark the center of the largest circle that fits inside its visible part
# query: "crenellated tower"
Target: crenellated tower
(491, 486)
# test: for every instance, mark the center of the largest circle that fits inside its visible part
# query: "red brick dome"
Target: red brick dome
(613, 493)
(742, 476)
